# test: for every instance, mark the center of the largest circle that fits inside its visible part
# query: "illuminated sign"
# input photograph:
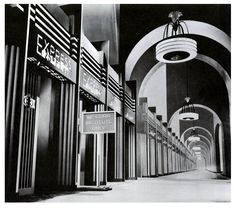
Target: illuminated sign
(98, 122)
(54, 57)
(91, 85)
(50, 53)
(50, 45)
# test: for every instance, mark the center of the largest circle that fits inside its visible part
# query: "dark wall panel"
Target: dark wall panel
(42, 165)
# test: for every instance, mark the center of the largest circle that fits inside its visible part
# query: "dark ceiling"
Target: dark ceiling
(208, 88)
(205, 87)
(136, 20)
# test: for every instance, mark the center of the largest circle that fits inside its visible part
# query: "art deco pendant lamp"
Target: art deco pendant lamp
(176, 46)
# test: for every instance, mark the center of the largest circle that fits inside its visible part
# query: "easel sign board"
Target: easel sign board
(98, 122)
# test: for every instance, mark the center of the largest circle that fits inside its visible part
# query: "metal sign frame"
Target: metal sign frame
(98, 112)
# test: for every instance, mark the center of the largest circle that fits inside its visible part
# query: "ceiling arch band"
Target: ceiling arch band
(148, 76)
(195, 27)
(198, 127)
(223, 73)
(208, 60)
(190, 146)
(176, 113)
(201, 137)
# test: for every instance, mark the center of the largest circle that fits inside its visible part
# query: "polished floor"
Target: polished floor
(193, 186)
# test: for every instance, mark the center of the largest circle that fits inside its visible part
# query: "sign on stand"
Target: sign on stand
(98, 122)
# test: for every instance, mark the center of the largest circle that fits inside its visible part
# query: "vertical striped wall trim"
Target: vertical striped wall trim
(101, 151)
(118, 153)
(12, 75)
(12, 54)
(131, 152)
(66, 128)
(29, 139)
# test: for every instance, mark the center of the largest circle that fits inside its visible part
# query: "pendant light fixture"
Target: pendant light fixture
(194, 136)
(187, 111)
(176, 46)
(196, 148)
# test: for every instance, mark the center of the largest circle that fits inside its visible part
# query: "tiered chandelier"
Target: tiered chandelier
(187, 111)
(176, 47)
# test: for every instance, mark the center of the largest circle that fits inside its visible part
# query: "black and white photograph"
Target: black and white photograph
(117, 102)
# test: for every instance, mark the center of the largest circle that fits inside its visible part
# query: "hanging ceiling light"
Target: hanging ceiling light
(194, 135)
(187, 111)
(196, 148)
(194, 139)
(176, 47)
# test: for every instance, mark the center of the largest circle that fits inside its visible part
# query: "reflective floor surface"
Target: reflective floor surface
(193, 186)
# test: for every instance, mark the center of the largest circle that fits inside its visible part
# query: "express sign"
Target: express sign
(53, 56)
(50, 49)
(91, 85)
(50, 53)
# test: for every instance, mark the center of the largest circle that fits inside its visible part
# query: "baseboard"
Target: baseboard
(117, 180)
(131, 178)
(153, 176)
(103, 183)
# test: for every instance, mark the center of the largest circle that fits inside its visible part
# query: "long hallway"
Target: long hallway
(192, 186)
(104, 105)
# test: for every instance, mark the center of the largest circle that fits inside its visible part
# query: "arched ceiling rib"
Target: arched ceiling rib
(198, 128)
(206, 59)
(223, 73)
(199, 143)
(176, 113)
(202, 138)
(150, 39)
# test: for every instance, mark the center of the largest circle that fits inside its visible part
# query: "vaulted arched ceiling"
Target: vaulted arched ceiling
(209, 73)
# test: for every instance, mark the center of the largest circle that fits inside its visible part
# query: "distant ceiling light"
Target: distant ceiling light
(194, 138)
(176, 47)
(187, 111)
(194, 134)
(196, 148)
(198, 153)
